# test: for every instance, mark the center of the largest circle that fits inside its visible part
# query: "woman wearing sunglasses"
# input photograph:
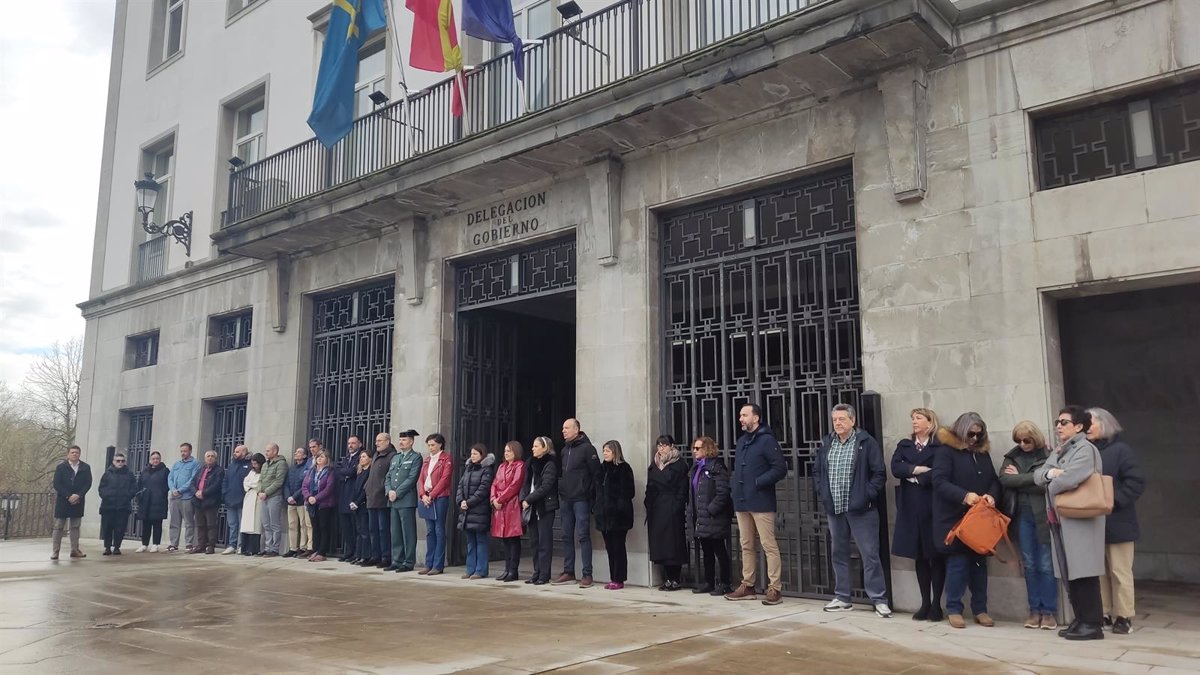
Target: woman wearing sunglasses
(1029, 514)
(962, 475)
(1078, 542)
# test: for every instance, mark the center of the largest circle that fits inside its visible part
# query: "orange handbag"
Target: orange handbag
(981, 529)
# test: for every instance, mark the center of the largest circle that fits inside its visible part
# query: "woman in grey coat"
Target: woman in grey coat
(1078, 542)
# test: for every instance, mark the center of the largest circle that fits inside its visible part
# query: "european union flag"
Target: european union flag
(350, 22)
(492, 20)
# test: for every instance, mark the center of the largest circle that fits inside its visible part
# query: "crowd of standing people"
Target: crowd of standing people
(374, 496)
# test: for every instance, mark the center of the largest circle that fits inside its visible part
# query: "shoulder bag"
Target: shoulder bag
(1093, 497)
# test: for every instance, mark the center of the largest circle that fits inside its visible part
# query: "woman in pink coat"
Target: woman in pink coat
(506, 502)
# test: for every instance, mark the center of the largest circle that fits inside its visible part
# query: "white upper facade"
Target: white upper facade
(196, 82)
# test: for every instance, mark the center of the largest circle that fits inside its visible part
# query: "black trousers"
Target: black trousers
(672, 572)
(618, 560)
(541, 537)
(323, 530)
(114, 523)
(151, 527)
(349, 534)
(206, 528)
(512, 555)
(931, 579)
(716, 552)
(251, 543)
(1086, 601)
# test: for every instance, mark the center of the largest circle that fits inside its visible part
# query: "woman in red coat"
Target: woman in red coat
(433, 492)
(506, 502)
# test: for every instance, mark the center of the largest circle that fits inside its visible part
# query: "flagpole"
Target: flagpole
(462, 92)
(404, 107)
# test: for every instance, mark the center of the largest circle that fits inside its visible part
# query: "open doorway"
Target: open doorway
(1137, 354)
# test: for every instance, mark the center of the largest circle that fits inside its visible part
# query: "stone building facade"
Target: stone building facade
(954, 205)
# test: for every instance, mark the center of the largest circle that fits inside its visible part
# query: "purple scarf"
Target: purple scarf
(696, 476)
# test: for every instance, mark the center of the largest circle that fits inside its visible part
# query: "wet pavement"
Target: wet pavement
(177, 613)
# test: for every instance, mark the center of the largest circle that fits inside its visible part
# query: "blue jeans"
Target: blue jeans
(380, 526)
(865, 529)
(233, 525)
(435, 536)
(963, 570)
(576, 517)
(477, 552)
(1039, 567)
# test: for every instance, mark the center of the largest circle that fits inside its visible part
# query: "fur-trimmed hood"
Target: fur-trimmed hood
(947, 437)
(489, 460)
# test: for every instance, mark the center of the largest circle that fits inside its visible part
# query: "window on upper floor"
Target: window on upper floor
(228, 332)
(158, 159)
(372, 75)
(141, 350)
(1132, 134)
(167, 28)
(235, 7)
(250, 122)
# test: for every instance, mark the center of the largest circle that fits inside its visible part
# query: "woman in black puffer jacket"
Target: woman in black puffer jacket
(539, 501)
(710, 513)
(613, 509)
(474, 511)
(117, 488)
(152, 501)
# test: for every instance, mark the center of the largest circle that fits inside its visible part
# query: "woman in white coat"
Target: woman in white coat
(251, 514)
(1078, 543)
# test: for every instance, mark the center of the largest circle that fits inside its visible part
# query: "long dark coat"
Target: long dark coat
(710, 507)
(957, 471)
(117, 487)
(475, 488)
(1129, 482)
(613, 502)
(913, 536)
(542, 498)
(152, 492)
(68, 482)
(666, 505)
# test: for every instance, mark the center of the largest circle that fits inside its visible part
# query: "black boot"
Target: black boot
(923, 613)
(1085, 631)
(1062, 632)
(720, 590)
(703, 588)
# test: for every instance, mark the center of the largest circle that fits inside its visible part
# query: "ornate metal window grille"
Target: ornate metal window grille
(145, 349)
(233, 331)
(1120, 137)
(768, 315)
(137, 453)
(351, 391)
(545, 268)
(229, 431)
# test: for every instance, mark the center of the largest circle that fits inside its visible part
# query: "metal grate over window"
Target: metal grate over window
(544, 268)
(233, 332)
(145, 350)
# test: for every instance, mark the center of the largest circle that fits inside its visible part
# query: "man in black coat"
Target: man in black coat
(850, 477)
(117, 488)
(72, 480)
(233, 491)
(208, 488)
(757, 466)
(346, 472)
(580, 466)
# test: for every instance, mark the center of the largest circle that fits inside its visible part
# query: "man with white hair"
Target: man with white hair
(208, 492)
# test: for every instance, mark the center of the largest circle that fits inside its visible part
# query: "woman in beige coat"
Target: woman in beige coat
(251, 510)
(1078, 542)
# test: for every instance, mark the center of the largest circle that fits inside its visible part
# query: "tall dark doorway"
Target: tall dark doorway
(1137, 355)
(760, 298)
(514, 352)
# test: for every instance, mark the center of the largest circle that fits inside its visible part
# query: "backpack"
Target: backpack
(981, 529)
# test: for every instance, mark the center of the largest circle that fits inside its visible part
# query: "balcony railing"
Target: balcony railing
(151, 259)
(616, 43)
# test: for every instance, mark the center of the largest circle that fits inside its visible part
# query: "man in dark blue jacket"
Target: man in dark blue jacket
(299, 523)
(758, 466)
(850, 479)
(346, 472)
(234, 492)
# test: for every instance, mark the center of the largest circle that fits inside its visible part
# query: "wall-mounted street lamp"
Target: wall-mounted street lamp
(147, 195)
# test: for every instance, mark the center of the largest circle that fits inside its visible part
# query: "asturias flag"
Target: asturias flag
(492, 20)
(350, 22)
(435, 41)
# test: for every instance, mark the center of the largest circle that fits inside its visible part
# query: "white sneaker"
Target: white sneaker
(154, 548)
(140, 549)
(228, 551)
(882, 610)
(836, 605)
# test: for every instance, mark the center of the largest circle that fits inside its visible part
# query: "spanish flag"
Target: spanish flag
(435, 42)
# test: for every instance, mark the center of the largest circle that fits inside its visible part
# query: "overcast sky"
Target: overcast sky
(53, 85)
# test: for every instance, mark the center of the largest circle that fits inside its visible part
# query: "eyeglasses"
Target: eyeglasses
(697, 447)
(118, 461)
(1026, 441)
(974, 434)
(1062, 422)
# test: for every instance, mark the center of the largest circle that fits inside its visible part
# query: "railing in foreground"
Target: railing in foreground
(26, 514)
(615, 43)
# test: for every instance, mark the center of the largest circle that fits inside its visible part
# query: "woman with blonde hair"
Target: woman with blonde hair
(539, 501)
(1121, 526)
(912, 465)
(710, 511)
(1029, 515)
(612, 508)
